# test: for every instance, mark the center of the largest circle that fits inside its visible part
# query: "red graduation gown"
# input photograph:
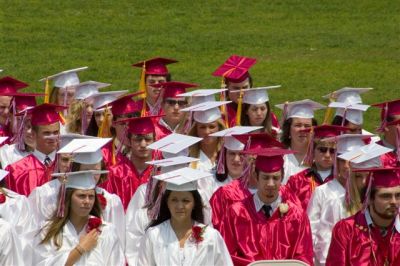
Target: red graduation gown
(351, 244)
(147, 113)
(303, 184)
(224, 197)
(27, 174)
(388, 159)
(108, 154)
(161, 131)
(123, 180)
(250, 236)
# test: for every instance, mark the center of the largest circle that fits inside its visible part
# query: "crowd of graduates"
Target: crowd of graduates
(177, 175)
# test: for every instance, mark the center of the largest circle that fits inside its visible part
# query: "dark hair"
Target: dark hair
(249, 77)
(338, 120)
(371, 194)
(282, 172)
(75, 167)
(164, 213)
(267, 123)
(92, 129)
(285, 138)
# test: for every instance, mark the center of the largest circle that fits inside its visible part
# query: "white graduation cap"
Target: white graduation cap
(67, 138)
(3, 139)
(80, 179)
(367, 156)
(257, 95)
(88, 88)
(348, 142)
(66, 78)
(104, 98)
(174, 144)
(3, 174)
(231, 143)
(183, 179)
(206, 112)
(173, 163)
(352, 112)
(202, 95)
(302, 109)
(86, 151)
(347, 95)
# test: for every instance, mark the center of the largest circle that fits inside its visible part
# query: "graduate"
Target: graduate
(171, 105)
(178, 236)
(320, 156)
(79, 236)
(349, 203)
(35, 169)
(235, 77)
(372, 235)
(266, 225)
(296, 117)
(154, 71)
(245, 184)
(389, 128)
(126, 176)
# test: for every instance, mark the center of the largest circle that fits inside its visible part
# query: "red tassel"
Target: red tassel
(381, 128)
(368, 192)
(61, 204)
(221, 159)
(398, 142)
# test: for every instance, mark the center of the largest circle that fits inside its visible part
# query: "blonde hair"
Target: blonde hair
(54, 95)
(74, 117)
(355, 203)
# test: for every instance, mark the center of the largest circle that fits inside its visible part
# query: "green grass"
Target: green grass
(310, 47)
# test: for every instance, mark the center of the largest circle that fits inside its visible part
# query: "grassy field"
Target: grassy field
(310, 47)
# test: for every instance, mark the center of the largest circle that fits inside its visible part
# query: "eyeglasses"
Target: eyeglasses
(140, 138)
(325, 149)
(176, 102)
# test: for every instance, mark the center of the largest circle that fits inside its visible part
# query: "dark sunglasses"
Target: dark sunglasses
(325, 149)
(176, 102)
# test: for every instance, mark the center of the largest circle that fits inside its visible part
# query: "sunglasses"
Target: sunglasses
(176, 102)
(325, 149)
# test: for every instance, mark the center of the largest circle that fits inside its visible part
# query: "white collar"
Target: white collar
(41, 156)
(259, 203)
(164, 124)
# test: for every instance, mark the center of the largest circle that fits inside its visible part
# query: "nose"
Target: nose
(143, 143)
(237, 158)
(270, 182)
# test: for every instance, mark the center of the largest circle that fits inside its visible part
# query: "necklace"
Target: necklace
(386, 263)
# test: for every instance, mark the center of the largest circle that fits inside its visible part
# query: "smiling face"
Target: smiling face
(234, 163)
(268, 185)
(82, 202)
(46, 137)
(180, 205)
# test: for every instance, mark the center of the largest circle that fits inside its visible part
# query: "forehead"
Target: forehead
(389, 190)
(5, 100)
(156, 77)
(328, 144)
(175, 99)
(180, 194)
(149, 135)
(298, 120)
(51, 127)
(253, 106)
(239, 84)
(272, 174)
(84, 192)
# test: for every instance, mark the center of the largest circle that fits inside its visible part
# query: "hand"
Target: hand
(89, 241)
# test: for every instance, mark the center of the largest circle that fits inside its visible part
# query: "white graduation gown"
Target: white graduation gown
(108, 250)
(44, 200)
(161, 247)
(323, 197)
(9, 154)
(291, 167)
(10, 246)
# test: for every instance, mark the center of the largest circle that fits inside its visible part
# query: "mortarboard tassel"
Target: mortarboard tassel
(344, 117)
(62, 119)
(284, 112)
(188, 123)
(223, 107)
(104, 130)
(20, 134)
(239, 109)
(335, 170)
(383, 124)
(367, 193)
(155, 209)
(61, 203)
(328, 113)
(47, 91)
(398, 142)
(142, 87)
(83, 119)
(309, 158)
(221, 159)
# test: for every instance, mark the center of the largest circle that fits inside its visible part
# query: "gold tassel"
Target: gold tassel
(113, 160)
(62, 119)
(328, 113)
(47, 91)
(239, 109)
(142, 87)
(104, 130)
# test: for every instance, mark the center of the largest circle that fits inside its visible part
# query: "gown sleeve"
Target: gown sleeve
(337, 249)
(146, 256)
(10, 246)
(222, 254)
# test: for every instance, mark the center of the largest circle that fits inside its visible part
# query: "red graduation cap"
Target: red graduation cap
(124, 104)
(235, 68)
(10, 85)
(269, 160)
(139, 125)
(388, 108)
(385, 177)
(25, 101)
(173, 88)
(155, 66)
(325, 131)
(46, 114)
(258, 141)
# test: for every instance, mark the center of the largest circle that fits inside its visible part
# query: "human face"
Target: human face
(28, 136)
(5, 102)
(96, 166)
(298, 137)
(268, 185)
(203, 130)
(64, 163)
(360, 180)
(232, 87)
(234, 163)
(82, 202)
(172, 110)
(70, 93)
(139, 145)
(323, 156)
(120, 129)
(386, 203)
(353, 128)
(180, 204)
(46, 137)
(343, 170)
(89, 109)
(152, 92)
(257, 114)
(390, 132)
(99, 116)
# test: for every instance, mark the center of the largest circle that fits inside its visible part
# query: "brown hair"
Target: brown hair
(55, 226)
(74, 117)
(267, 123)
